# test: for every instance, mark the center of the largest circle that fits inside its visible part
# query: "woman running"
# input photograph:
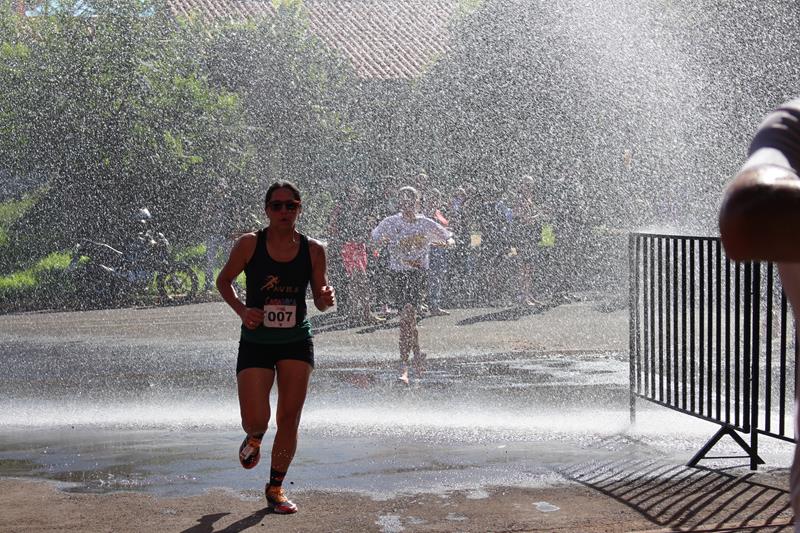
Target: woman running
(279, 263)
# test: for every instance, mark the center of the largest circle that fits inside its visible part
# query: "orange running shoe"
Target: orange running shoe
(277, 502)
(250, 452)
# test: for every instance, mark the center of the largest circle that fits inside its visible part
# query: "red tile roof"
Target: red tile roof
(383, 39)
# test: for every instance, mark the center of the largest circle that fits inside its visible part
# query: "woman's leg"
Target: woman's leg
(414, 332)
(408, 326)
(419, 357)
(409, 341)
(254, 386)
(293, 377)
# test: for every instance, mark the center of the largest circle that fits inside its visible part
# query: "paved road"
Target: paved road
(583, 326)
(83, 367)
(144, 399)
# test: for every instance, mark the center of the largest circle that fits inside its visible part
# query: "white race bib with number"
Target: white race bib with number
(280, 316)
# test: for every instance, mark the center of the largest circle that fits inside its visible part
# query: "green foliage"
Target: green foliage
(15, 282)
(10, 53)
(17, 285)
(191, 253)
(120, 108)
(467, 7)
(10, 212)
(293, 6)
(53, 261)
(548, 237)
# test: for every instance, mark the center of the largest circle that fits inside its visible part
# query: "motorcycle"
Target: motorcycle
(107, 276)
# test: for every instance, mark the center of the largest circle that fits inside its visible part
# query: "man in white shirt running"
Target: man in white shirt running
(409, 237)
(760, 218)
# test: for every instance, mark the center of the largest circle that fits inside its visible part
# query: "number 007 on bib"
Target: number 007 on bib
(280, 316)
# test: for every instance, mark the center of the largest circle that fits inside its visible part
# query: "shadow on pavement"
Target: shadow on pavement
(337, 322)
(328, 322)
(513, 313)
(206, 523)
(681, 498)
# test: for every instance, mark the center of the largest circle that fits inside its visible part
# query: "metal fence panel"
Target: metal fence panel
(710, 337)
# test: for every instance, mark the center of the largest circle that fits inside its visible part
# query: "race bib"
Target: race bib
(280, 316)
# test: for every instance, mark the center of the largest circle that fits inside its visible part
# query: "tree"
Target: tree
(121, 106)
(294, 94)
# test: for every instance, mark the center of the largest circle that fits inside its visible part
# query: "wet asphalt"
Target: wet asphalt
(144, 399)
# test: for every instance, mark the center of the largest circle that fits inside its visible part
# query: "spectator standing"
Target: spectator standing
(460, 218)
(349, 234)
(438, 271)
(526, 233)
(494, 220)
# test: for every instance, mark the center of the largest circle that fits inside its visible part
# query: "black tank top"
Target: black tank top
(280, 289)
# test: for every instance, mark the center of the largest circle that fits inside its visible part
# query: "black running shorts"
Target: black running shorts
(408, 287)
(256, 355)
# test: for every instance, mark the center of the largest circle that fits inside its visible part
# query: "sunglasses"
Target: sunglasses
(289, 205)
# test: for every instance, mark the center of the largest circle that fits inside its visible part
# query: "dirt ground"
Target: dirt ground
(624, 497)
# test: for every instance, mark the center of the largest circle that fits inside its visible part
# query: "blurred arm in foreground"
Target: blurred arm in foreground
(760, 214)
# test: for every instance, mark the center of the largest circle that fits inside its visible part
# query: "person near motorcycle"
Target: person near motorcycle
(279, 263)
(101, 274)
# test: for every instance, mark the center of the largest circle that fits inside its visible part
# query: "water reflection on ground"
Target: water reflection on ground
(101, 414)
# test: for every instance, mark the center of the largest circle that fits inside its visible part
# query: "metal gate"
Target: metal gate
(711, 338)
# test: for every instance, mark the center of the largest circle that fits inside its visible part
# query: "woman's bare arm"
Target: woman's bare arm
(322, 292)
(240, 254)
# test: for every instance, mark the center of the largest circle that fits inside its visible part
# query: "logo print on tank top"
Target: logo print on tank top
(271, 283)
